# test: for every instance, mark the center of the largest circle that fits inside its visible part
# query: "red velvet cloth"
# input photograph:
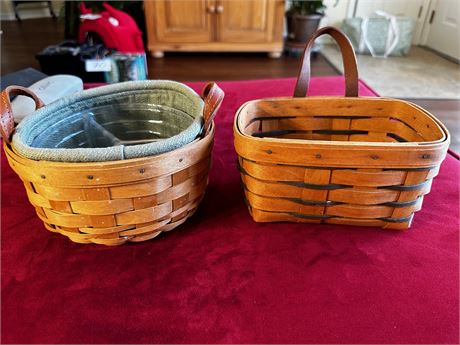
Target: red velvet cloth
(222, 278)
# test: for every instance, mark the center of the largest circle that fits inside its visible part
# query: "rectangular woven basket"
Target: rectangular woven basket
(343, 160)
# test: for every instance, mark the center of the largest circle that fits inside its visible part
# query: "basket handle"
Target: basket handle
(349, 63)
(6, 112)
(212, 95)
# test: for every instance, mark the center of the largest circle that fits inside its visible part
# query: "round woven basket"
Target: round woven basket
(120, 201)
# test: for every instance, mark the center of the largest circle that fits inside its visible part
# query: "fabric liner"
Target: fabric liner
(57, 132)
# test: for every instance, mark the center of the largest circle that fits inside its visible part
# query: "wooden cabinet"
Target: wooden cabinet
(179, 21)
(215, 25)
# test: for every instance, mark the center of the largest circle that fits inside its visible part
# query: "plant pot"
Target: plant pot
(290, 25)
(300, 27)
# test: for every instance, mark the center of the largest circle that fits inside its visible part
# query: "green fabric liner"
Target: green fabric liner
(120, 121)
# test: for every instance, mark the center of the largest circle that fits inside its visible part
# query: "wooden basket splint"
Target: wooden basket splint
(117, 201)
(343, 160)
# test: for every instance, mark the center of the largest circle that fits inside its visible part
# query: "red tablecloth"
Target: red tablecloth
(223, 278)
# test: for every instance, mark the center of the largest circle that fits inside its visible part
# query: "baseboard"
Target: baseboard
(29, 14)
(7, 16)
(26, 11)
(447, 57)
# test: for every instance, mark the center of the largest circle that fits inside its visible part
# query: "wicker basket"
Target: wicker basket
(118, 201)
(342, 160)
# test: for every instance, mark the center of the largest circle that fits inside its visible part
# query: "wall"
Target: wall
(336, 12)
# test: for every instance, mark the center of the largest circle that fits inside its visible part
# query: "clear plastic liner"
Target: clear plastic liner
(115, 125)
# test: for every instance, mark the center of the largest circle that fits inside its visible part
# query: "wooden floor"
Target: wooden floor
(230, 66)
(21, 41)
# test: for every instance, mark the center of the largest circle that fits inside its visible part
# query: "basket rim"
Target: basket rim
(335, 143)
(331, 153)
(10, 151)
(108, 173)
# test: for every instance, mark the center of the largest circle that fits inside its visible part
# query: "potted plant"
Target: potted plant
(303, 19)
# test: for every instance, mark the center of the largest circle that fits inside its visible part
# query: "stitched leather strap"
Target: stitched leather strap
(349, 63)
(212, 96)
(6, 119)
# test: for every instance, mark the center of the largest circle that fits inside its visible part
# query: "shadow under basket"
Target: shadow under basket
(341, 160)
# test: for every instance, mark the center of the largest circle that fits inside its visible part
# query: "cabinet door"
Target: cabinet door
(183, 21)
(245, 21)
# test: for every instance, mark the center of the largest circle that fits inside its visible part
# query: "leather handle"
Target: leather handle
(212, 95)
(6, 113)
(349, 63)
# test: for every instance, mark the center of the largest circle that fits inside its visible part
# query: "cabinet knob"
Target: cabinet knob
(220, 9)
(211, 9)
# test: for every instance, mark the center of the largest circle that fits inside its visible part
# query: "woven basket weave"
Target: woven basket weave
(119, 201)
(342, 160)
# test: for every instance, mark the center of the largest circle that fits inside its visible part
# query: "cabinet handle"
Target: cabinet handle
(220, 9)
(432, 17)
(211, 9)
